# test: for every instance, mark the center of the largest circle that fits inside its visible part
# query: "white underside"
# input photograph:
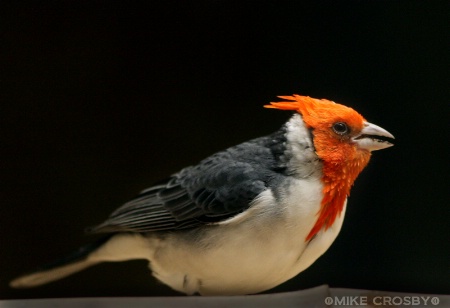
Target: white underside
(249, 253)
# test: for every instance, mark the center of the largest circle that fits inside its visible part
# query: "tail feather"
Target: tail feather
(73, 263)
(112, 248)
(46, 276)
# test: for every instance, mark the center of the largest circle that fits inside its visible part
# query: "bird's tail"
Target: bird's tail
(115, 247)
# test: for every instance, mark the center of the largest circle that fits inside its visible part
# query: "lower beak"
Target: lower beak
(373, 137)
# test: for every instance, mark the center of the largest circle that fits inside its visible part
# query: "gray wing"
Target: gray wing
(216, 189)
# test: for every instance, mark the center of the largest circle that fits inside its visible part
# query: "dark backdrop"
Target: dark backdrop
(100, 99)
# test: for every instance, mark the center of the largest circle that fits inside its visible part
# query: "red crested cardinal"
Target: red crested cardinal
(246, 219)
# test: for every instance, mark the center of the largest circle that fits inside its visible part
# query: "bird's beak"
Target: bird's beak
(373, 137)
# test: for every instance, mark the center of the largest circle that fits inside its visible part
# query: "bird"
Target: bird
(246, 219)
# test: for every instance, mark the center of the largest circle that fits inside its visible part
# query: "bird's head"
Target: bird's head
(343, 140)
(341, 135)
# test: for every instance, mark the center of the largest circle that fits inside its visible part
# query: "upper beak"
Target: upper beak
(369, 138)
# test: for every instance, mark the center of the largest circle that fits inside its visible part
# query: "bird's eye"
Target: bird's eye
(340, 128)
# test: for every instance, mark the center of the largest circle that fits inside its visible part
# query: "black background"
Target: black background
(100, 99)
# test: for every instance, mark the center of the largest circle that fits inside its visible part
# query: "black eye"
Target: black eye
(340, 128)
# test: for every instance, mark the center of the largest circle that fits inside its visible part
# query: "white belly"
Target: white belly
(252, 252)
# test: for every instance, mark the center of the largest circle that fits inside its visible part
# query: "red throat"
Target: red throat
(338, 181)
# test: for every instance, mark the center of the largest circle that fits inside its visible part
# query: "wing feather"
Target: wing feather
(218, 188)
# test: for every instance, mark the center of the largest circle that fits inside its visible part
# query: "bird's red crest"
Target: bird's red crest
(317, 111)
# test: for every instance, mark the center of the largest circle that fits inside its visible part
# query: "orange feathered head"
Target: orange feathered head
(334, 127)
(319, 112)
